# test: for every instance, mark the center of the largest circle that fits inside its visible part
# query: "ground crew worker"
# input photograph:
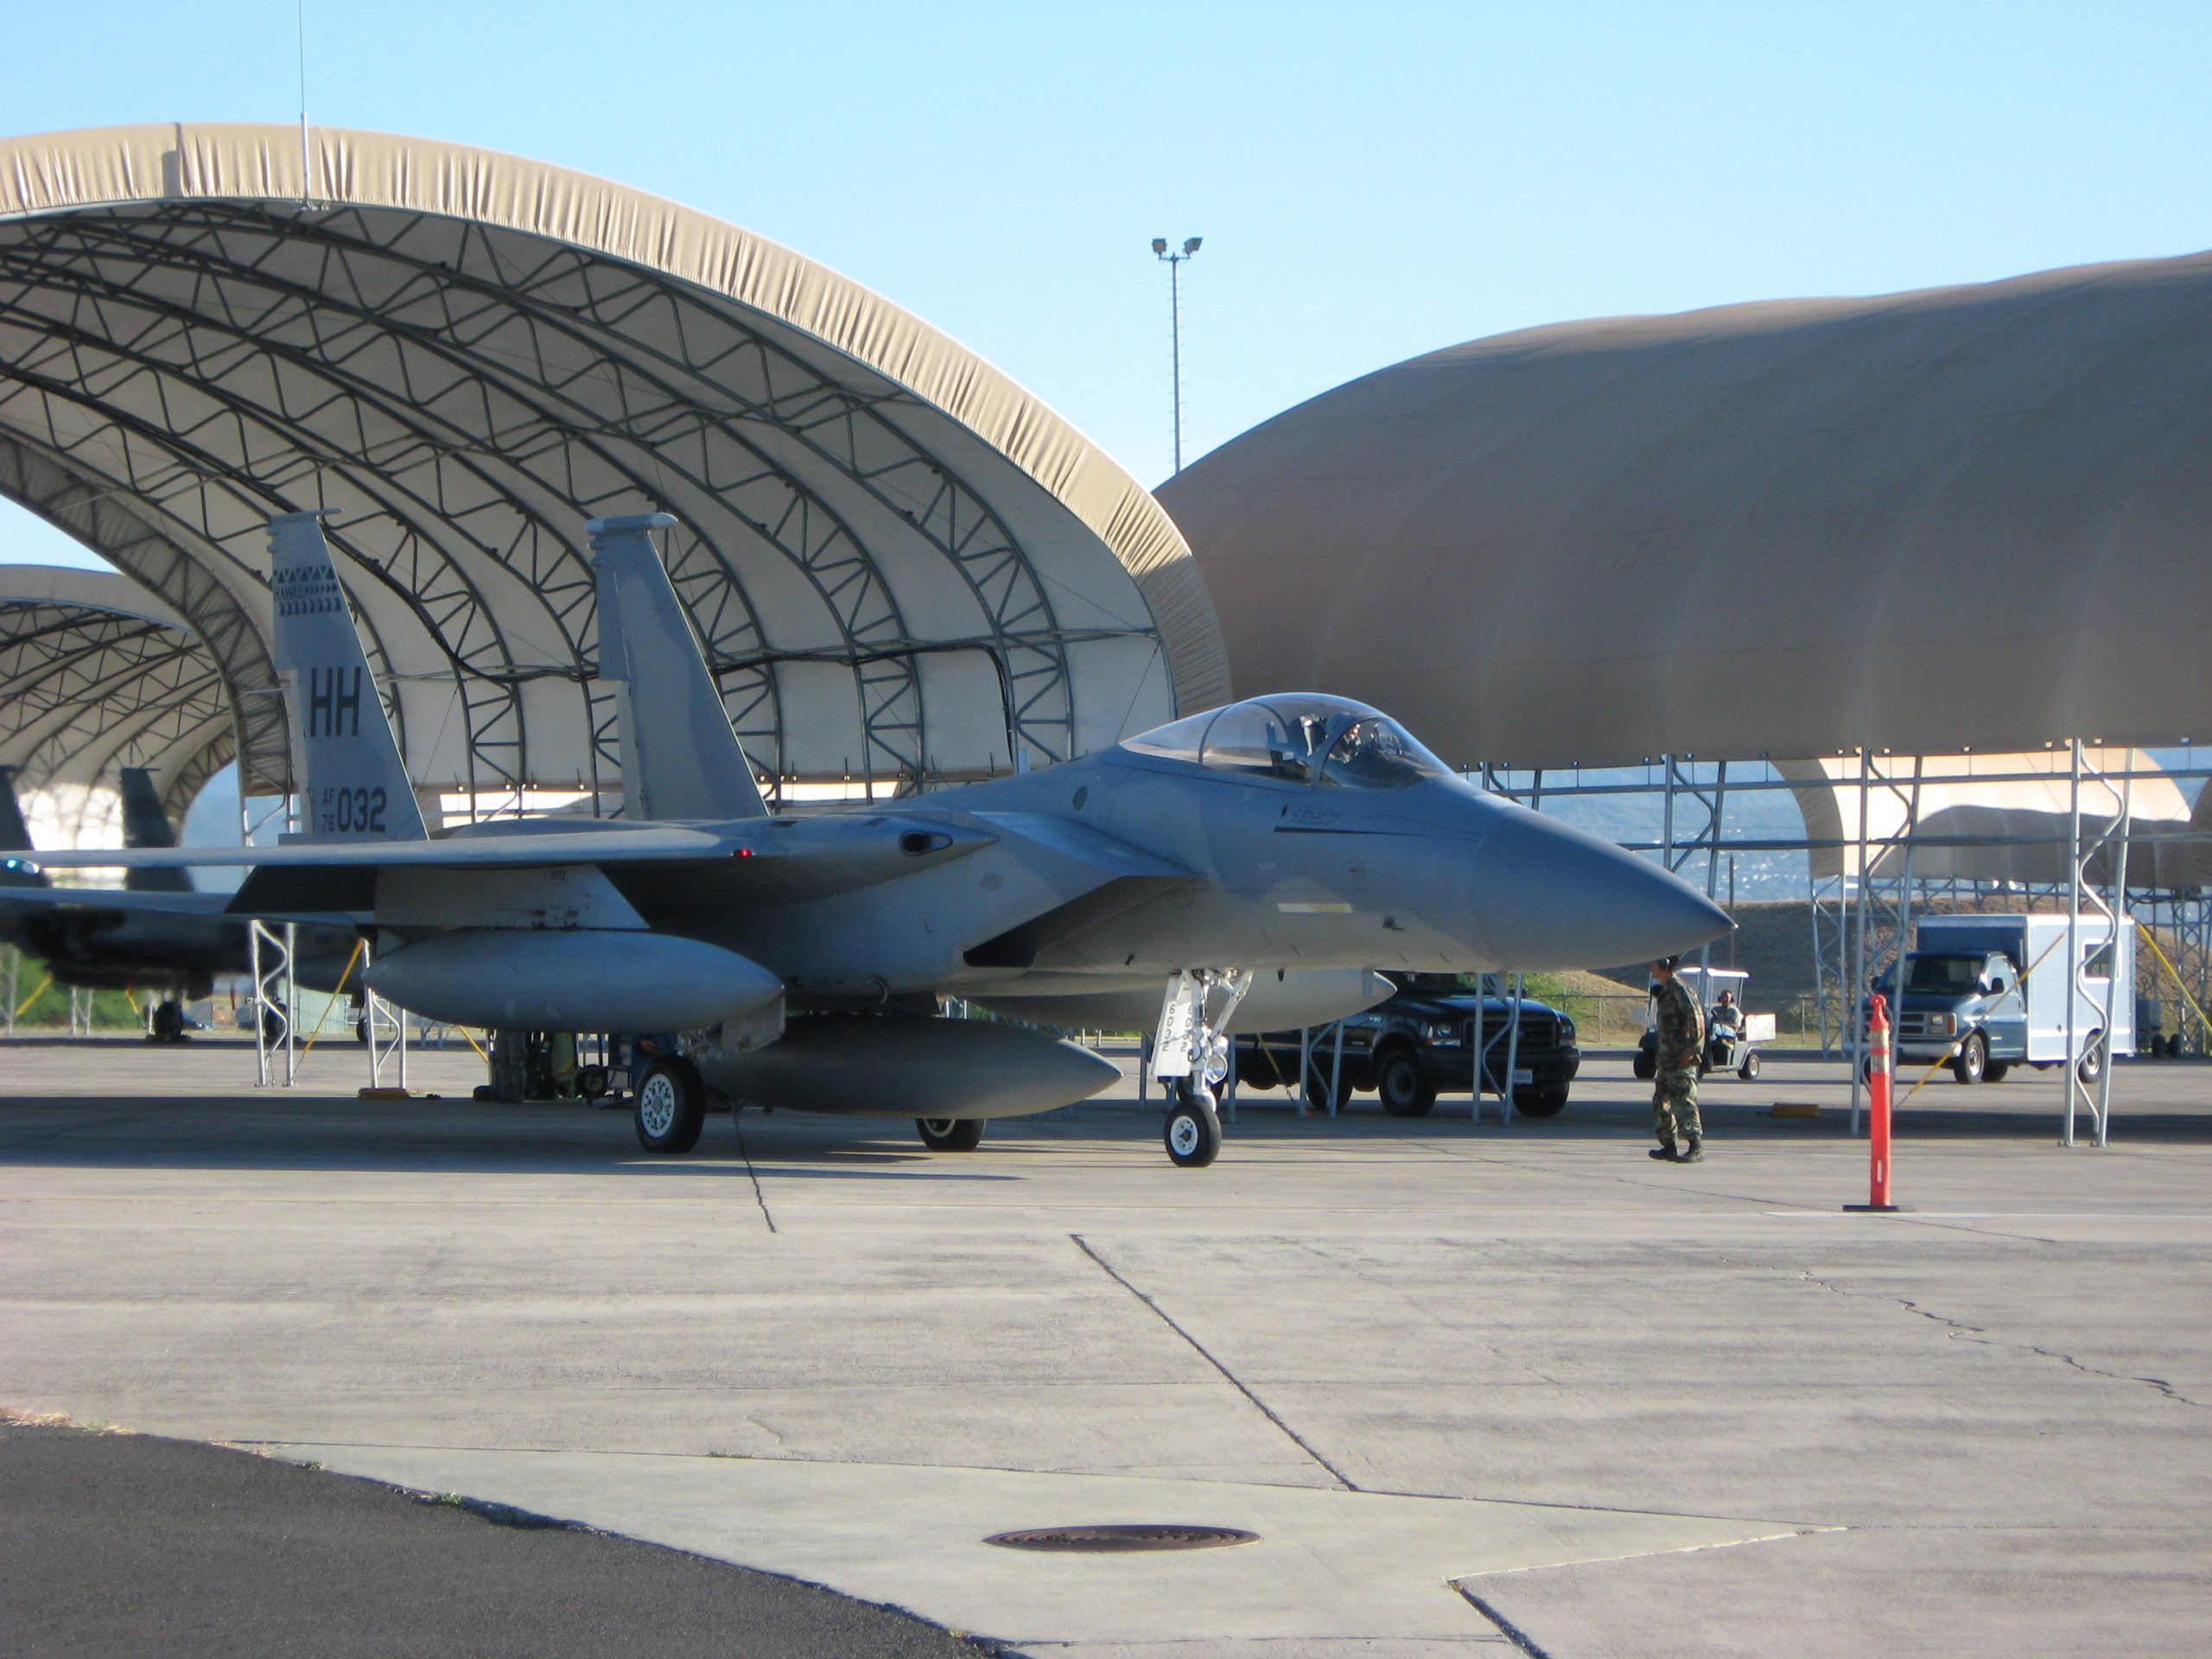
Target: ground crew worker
(1673, 1089)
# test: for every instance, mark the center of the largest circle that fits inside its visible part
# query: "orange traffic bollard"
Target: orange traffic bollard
(1878, 1111)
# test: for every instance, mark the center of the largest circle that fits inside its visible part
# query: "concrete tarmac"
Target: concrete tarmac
(1475, 1386)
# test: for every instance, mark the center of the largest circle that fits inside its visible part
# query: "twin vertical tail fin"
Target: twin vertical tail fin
(680, 759)
(15, 839)
(353, 786)
(145, 824)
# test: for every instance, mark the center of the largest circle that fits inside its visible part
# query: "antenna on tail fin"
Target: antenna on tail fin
(680, 760)
(145, 824)
(353, 786)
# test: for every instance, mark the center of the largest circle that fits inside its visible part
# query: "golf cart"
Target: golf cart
(1730, 1044)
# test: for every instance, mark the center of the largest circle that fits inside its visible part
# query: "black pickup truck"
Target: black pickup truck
(1420, 1043)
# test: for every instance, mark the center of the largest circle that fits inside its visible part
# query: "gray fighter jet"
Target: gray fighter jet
(1256, 864)
(154, 934)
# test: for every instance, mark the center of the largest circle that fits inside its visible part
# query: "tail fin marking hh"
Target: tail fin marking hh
(355, 786)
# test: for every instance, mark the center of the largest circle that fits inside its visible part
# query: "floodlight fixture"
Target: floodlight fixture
(1174, 263)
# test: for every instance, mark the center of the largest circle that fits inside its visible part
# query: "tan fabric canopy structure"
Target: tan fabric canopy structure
(1965, 519)
(902, 564)
(95, 675)
(2018, 806)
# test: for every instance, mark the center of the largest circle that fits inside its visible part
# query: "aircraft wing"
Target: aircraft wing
(659, 843)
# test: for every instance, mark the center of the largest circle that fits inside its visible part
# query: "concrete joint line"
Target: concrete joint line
(1228, 1376)
(1512, 1632)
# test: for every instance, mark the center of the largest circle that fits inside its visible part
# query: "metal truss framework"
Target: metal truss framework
(1858, 919)
(85, 691)
(466, 395)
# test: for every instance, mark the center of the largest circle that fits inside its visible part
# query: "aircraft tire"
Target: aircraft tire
(669, 1107)
(1193, 1133)
(1644, 1065)
(169, 1021)
(950, 1133)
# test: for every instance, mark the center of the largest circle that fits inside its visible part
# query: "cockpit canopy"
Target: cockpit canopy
(1301, 738)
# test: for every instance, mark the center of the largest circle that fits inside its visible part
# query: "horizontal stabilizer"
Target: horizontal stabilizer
(47, 901)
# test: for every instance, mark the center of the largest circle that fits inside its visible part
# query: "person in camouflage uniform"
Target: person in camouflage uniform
(1674, 1090)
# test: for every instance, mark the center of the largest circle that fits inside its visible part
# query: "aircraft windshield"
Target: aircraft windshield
(1279, 742)
(1377, 752)
(1302, 739)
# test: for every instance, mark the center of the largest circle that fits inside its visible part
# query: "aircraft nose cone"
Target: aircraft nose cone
(1549, 896)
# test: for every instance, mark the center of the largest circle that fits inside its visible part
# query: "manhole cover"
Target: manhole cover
(1107, 1541)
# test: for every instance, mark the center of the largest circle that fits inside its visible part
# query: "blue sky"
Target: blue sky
(1372, 181)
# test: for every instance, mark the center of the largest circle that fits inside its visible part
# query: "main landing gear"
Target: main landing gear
(1184, 1055)
(950, 1133)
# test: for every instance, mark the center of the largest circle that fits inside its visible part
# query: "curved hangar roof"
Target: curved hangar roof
(1966, 517)
(95, 675)
(901, 562)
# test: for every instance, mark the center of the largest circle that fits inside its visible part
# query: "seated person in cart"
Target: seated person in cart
(1731, 1035)
(1725, 1022)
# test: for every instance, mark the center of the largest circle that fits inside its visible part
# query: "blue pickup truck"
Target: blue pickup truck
(1421, 1043)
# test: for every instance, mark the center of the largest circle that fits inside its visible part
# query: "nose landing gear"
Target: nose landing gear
(1193, 1131)
(1183, 1058)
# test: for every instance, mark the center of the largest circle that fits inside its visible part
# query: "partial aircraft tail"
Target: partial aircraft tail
(16, 839)
(353, 786)
(145, 824)
(680, 759)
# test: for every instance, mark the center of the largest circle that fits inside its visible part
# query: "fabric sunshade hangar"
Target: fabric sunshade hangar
(95, 675)
(902, 565)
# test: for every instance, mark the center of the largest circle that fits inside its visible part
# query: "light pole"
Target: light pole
(1174, 263)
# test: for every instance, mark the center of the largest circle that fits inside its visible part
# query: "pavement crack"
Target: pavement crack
(745, 1152)
(1961, 1331)
(1228, 1376)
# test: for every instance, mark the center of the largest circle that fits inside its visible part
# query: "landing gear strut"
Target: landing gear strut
(1184, 1055)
